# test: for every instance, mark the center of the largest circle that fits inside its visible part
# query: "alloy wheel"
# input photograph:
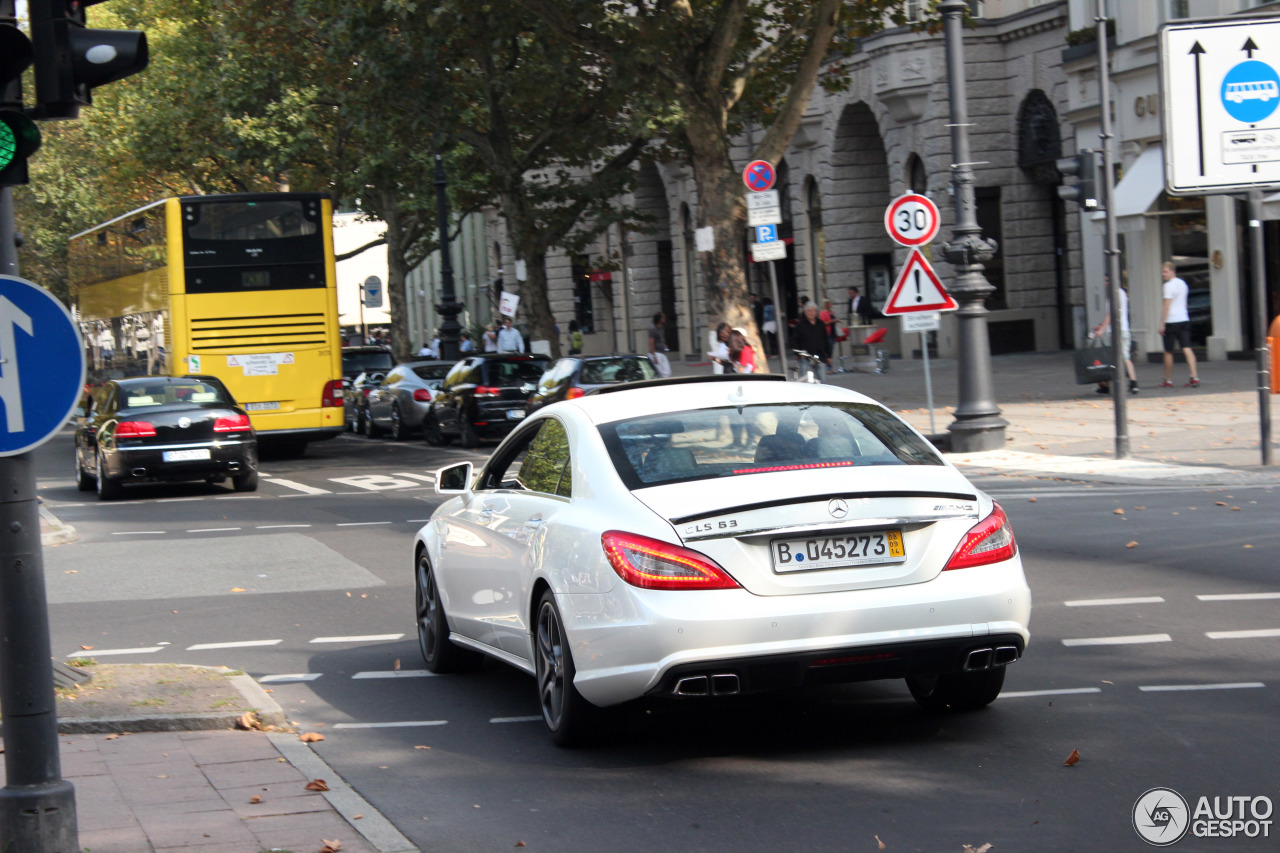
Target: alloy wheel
(550, 663)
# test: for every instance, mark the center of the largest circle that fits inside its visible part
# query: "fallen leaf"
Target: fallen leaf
(317, 785)
(173, 611)
(1219, 503)
(1031, 500)
(1133, 544)
(1072, 758)
(1246, 546)
(111, 736)
(255, 799)
(520, 844)
(310, 737)
(348, 595)
(877, 838)
(983, 849)
(422, 747)
(356, 816)
(364, 595)
(1118, 510)
(395, 667)
(1104, 681)
(1139, 507)
(86, 648)
(237, 589)
(1235, 509)
(72, 572)
(330, 846)
(248, 721)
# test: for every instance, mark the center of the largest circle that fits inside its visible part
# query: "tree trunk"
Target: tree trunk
(534, 301)
(397, 272)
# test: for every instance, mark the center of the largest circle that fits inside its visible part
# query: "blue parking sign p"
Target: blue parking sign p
(766, 233)
(41, 365)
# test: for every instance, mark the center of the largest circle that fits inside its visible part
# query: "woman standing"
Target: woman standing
(741, 353)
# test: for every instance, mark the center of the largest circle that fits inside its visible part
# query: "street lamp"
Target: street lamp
(449, 307)
(978, 425)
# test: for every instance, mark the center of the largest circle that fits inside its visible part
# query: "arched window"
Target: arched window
(916, 176)
(817, 237)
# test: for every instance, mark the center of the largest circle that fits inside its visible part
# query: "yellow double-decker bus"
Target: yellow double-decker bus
(240, 287)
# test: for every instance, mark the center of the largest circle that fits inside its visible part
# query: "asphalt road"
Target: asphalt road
(307, 585)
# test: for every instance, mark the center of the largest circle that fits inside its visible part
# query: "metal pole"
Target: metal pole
(449, 308)
(1119, 377)
(928, 380)
(777, 318)
(978, 425)
(1260, 326)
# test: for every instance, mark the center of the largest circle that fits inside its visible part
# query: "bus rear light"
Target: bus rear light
(135, 429)
(332, 394)
(235, 423)
(422, 395)
(488, 391)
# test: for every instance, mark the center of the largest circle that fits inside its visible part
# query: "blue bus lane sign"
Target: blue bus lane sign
(41, 365)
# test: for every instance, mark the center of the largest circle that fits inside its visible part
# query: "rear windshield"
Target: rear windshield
(601, 371)
(508, 373)
(162, 393)
(731, 441)
(358, 362)
(433, 371)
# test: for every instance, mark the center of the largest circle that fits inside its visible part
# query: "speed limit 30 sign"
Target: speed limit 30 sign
(912, 220)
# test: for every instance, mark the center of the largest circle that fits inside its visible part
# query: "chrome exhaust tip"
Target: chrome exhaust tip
(1006, 655)
(979, 659)
(139, 472)
(693, 685)
(725, 684)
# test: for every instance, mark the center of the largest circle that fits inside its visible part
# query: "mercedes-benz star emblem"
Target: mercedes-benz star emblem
(838, 508)
(184, 422)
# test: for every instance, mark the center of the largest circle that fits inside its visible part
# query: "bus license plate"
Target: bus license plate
(185, 455)
(865, 547)
(261, 407)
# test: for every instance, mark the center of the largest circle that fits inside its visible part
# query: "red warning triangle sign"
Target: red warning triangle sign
(918, 288)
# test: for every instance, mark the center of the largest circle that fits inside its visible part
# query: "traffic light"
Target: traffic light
(1084, 168)
(19, 136)
(72, 60)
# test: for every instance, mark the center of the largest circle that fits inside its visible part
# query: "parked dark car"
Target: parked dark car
(570, 378)
(482, 398)
(355, 393)
(399, 403)
(357, 360)
(153, 429)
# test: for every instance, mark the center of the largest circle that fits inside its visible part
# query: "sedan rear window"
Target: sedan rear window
(601, 371)
(509, 373)
(162, 393)
(433, 371)
(726, 442)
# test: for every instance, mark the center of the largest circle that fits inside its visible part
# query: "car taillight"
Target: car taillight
(574, 393)
(422, 395)
(654, 564)
(488, 391)
(332, 394)
(235, 423)
(135, 429)
(989, 541)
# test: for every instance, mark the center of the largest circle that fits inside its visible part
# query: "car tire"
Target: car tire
(84, 482)
(108, 487)
(432, 434)
(468, 438)
(438, 652)
(957, 691)
(246, 482)
(398, 430)
(571, 719)
(359, 426)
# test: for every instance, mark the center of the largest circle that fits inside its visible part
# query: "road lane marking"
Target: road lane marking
(361, 523)
(373, 482)
(213, 529)
(278, 526)
(405, 724)
(1132, 639)
(515, 719)
(394, 673)
(366, 638)
(426, 478)
(1104, 602)
(1240, 596)
(1169, 688)
(1066, 691)
(84, 653)
(237, 497)
(301, 487)
(175, 500)
(138, 532)
(416, 520)
(289, 677)
(1243, 635)
(241, 644)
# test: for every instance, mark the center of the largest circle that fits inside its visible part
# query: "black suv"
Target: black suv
(370, 359)
(482, 398)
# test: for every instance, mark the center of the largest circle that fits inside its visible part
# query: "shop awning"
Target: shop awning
(1141, 185)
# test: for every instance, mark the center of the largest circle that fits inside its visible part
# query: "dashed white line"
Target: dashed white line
(94, 653)
(213, 529)
(365, 638)
(278, 526)
(515, 719)
(1104, 602)
(237, 497)
(1243, 635)
(360, 523)
(426, 478)
(1066, 691)
(139, 532)
(301, 487)
(390, 673)
(405, 724)
(175, 500)
(1132, 639)
(240, 644)
(1240, 596)
(1170, 688)
(289, 677)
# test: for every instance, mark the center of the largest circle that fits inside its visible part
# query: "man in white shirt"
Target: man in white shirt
(1126, 341)
(509, 337)
(1175, 325)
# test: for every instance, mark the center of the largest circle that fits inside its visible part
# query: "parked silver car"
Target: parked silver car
(400, 402)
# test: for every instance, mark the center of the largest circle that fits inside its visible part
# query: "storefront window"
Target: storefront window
(1188, 236)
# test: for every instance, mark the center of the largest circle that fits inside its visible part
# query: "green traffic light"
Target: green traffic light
(8, 145)
(19, 139)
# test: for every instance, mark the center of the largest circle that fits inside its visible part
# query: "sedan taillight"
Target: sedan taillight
(332, 394)
(574, 393)
(422, 395)
(135, 429)
(488, 391)
(235, 423)
(989, 541)
(654, 564)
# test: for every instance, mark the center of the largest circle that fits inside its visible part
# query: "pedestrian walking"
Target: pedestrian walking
(719, 352)
(509, 337)
(1126, 341)
(1175, 325)
(811, 336)
(490, 338)
(658, 345)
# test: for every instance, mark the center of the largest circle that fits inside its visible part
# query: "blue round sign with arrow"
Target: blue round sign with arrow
(41, 365)
(1251, 91)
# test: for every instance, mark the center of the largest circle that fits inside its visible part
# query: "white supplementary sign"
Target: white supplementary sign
(775, 251)
(763, 208)
(923, 321)
(912, 219)
(260, 363)
(1220, 105)
(918, 289)
(508, 303)
(705, 238)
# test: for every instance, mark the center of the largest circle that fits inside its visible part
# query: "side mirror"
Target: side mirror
(454, 480)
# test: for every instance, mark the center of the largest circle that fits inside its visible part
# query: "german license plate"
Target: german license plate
(865, 547)
(262, 407)
(186, 455)
(515, 414)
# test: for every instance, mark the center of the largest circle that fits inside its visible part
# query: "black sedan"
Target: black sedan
(570, 378)
(153, 429)
(482, 398)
